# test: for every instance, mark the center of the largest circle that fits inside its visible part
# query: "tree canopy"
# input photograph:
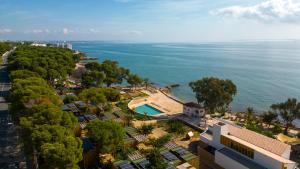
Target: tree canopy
(108, 72)
(47, 132)
(213, 92)
(134, 80)
(97, 96)
(48, 62)
(108, 135)
(156, 160)
(288, 111)
(4, 46)
(27, 92)
(269, 117)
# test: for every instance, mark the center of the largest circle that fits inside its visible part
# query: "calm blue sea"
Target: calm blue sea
(264, 72)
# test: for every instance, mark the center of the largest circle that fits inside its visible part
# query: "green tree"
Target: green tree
(269, 117)
(108, 135)
(93, 66)
(213, 92)
(70, 99)
(50, 63)
(61, 155)
(156, 160)
(93, 79)
(250, 114)
(113, 73)
(134, 80)
(147, 82)
(93, 96)
(112, 95)
(288, 111)
(26, 93)
(22, 74)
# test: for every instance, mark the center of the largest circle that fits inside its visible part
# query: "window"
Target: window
(237, 147)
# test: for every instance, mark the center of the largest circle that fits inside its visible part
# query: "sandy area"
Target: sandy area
(159, 101)
(157, 133)
(139, 123)
(287, 139)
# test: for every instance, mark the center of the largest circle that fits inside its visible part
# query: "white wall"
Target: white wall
(269, 162)
(190, 111)
(286, 153)
(226, 162)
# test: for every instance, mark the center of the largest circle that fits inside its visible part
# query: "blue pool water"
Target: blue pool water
(149, 110)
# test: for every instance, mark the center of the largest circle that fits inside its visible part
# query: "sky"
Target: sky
(150, 20)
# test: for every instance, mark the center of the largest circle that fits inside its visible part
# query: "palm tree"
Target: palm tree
(147, 82)
(250, 114)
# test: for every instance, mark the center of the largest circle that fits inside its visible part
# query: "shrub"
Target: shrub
(146, 129)
(175, 127)
(160, 142)
(70, 99)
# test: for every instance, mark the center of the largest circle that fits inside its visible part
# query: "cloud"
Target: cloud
(270, 11)
(67, 31)
(37, 31)
(5, 30)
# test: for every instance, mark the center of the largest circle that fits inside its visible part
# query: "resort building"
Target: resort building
(225, 145)
(39, 44)
(192, 109)
(64, 45)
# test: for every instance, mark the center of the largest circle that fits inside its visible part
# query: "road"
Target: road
(10, 149)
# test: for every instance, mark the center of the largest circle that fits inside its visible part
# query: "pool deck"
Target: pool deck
(160, 101)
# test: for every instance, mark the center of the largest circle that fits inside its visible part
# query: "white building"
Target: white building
(64, 45)
(192, 109)
(39, 44)
(234, 147)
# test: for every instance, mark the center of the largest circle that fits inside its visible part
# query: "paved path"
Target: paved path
(10, 150)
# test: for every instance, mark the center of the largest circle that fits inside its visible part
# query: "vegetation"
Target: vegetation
(269, 117)
(156, 160)
(134, 80)
(288, 111)
(22, 74)
(47, 132)
(99, 96)
(108, 72)
(175, 126)
(4, 46)
(93, 79)
(70, 99)
(214, 93)
(52, 64)
(250, 114)
(160, 142)
(147, 82)
(254, 127)
(93, 96)
(27, 92)
(146, 129)
(107, 135)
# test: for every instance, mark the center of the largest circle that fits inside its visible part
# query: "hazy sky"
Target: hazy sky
(150, 20)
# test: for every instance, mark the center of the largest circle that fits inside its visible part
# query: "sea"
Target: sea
(265, 72)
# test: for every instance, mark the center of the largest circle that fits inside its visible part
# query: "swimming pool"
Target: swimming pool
(149, 110)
